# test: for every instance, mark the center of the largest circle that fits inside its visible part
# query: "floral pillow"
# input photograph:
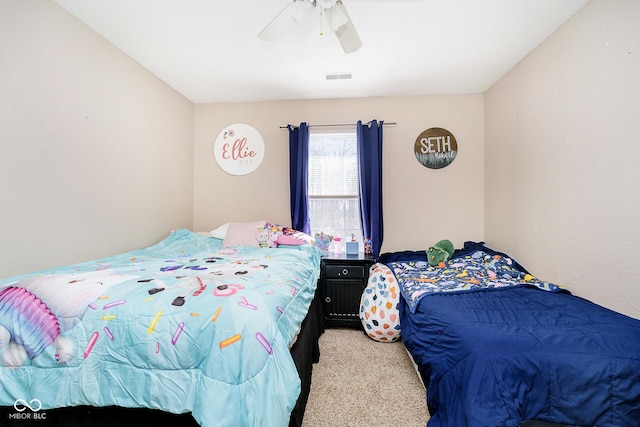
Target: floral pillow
(287, 236)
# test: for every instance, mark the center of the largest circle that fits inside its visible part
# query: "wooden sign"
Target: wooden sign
(435, 148)
(239, 149)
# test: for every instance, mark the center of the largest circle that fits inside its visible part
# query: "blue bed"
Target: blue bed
(511, 349)
(184, 326)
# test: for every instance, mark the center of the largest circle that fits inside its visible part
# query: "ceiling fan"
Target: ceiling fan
(299, 12)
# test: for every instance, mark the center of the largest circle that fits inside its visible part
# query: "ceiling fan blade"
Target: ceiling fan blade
(296, 12)
(342, 25)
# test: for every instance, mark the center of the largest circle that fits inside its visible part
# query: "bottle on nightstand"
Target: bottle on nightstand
(337, 246)
(352, 246)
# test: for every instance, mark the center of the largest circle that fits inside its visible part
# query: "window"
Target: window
(333, 184)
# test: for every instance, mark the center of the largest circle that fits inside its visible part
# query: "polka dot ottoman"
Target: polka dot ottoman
(379, 305)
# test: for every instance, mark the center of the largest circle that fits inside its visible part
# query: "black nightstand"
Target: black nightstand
(342, 280)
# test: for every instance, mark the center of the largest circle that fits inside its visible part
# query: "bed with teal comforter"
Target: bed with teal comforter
(185, 325)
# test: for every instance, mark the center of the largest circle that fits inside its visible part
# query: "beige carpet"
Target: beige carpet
(360, 382)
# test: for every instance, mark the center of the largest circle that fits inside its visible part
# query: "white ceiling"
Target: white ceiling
(208, 50)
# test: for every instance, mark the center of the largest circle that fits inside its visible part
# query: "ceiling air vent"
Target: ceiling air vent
(338, 76)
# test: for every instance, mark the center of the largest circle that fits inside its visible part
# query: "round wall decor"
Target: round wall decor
(435, 148)
(239, 149)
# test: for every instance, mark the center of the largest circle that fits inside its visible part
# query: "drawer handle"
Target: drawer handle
(345, 271)
(327, 299)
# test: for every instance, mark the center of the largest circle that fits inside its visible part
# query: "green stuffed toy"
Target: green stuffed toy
(440, 253)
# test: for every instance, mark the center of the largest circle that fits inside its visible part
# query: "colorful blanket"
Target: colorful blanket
(185, 325)
(476, 271)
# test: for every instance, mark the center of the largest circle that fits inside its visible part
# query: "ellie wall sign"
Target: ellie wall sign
(239, 149)
(435, 148)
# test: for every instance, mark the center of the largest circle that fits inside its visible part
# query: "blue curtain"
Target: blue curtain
(369, 137)
(298, 177)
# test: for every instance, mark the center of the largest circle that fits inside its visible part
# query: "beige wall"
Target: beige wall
(98, 156)
(421, 206)
(96, 153)
(562, 181)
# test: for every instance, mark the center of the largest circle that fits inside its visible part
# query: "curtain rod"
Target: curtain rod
(337, 125)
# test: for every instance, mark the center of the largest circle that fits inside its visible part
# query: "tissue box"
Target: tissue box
(352, 248)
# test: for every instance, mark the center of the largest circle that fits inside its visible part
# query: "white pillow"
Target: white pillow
(220, 232)
(243, 234)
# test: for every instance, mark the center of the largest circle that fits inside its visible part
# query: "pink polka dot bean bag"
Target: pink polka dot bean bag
(379, 305)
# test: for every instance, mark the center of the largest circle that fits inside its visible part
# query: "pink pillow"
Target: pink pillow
(242, 234)
(290, 240)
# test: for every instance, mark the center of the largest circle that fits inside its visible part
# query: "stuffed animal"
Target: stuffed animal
(272, 239)
(37, 310)
(441, 252)
(262, 236)
(323, 241)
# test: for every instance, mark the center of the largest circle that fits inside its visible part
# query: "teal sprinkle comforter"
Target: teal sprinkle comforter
(185, 325)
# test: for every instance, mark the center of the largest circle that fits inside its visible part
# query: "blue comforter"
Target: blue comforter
(185, 325)
(499, 356)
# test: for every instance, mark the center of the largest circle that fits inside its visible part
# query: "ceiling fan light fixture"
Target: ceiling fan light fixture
(298, 12)
(326, 4)
(301, 12)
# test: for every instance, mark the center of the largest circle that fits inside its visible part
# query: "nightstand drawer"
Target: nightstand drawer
(346, 271)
